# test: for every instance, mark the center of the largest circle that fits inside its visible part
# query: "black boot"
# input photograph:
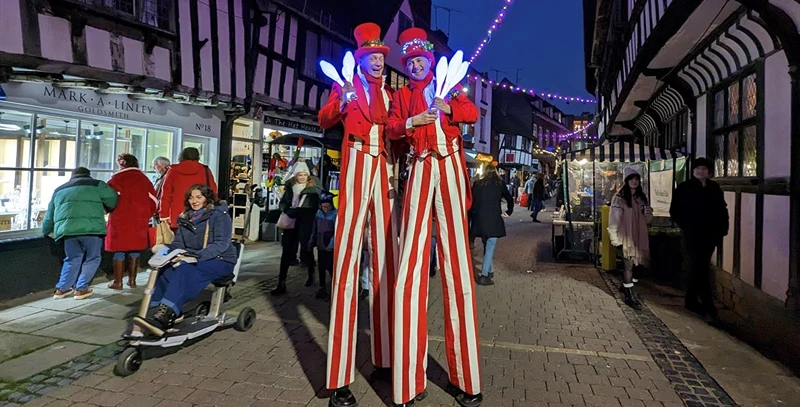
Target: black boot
(462, 398)
(483, 280)
(342, 397)
(630, 298)
(160, 322)
(280, 289)
(419, 397)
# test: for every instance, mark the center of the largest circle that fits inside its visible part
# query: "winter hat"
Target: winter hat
(368, 38)
(630, 172)
(415, 43)
(702, 162)
(298, 168)
(326, 197)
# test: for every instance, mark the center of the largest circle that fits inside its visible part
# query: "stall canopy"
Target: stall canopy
(622, 152)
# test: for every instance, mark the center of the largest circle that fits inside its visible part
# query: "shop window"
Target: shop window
(56, 142)
(159, 144)
(97, 146)
(131, 140)
(734, 141)
(15, 139)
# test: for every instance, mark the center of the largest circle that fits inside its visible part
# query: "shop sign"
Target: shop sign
(192, 119)
(291, 124)
(660, 192)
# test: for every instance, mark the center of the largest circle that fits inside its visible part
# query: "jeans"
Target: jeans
(538, 205)
(81, 263)
(177, 286)
(365, 277)
(488, 253)
(121, 255)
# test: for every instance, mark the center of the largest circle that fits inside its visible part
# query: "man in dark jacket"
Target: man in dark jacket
(76, 214)
(538, 196)
(699, 208)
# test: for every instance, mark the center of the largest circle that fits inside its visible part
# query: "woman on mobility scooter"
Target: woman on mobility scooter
(204, 232)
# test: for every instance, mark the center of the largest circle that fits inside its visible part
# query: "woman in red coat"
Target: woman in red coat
(128, 223)
(180, 177)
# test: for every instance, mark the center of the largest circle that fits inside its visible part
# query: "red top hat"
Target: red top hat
(368, 38)
(415, 43)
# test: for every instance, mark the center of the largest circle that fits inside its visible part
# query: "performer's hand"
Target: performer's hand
(424, 118)
(346, 90)
(442, 105)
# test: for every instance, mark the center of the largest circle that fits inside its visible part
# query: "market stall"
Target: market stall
(592, 176)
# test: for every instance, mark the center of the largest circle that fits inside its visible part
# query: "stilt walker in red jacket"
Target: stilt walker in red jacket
(366, 201)
(437, 180)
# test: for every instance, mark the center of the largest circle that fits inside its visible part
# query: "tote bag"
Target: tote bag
(284, 221)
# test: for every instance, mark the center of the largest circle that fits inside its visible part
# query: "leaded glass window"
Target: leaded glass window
(734, 141)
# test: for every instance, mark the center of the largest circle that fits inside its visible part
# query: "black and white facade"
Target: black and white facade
(716, 79)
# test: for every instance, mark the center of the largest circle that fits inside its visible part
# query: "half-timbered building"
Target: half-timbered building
(718, 79)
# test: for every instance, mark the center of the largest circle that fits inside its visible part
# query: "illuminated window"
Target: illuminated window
(734, 142)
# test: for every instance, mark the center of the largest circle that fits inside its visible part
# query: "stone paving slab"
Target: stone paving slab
(87, 329)
(17, 313)
(37, 321)
(117, 307)
(30, 364)
(14, 344)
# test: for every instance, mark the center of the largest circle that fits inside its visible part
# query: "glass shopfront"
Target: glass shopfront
(46, 132)
(38, 151)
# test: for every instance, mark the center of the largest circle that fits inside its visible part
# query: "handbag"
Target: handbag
(163, 234)
(284, 221)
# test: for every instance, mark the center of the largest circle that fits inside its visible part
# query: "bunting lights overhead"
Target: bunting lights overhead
(495, 25)
(534, 92)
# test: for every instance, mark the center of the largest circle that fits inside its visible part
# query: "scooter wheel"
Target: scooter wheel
(245, 320)
(129, 362)
(202, 309)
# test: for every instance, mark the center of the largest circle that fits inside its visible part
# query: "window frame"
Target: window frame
(738, 127)
(402, 18)
(34, 167)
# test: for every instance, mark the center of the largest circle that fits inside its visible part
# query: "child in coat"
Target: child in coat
(322, 235)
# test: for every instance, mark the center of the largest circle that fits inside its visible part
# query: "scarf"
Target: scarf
(425, 136)
(377, 106)
(194, 216)
(633, 232)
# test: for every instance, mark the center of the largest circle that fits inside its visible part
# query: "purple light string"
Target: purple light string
(533, 92)
(495, 25)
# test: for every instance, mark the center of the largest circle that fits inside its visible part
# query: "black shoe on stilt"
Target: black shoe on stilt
(342, 397)
(280, 289)
(630, 298)
(462, 398)
(410, 403)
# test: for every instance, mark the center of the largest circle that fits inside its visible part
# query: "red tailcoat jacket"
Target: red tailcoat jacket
(128, 222)
(463, 112)
(356, 118)
(180, 177)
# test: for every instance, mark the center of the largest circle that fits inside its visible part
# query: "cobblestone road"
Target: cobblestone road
(551, 335)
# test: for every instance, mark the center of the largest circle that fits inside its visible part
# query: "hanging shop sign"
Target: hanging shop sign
(107, 107)
(484, 158)
(291, 124)
(661, 192)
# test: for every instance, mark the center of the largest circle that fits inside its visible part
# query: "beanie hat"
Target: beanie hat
(326, 197)
(81, 172)
(631, 172)
(298, 168)
(702, 162)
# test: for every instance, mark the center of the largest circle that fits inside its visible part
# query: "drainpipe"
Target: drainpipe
(793, 293)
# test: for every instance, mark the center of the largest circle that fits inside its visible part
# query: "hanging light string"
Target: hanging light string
(533, 92)
(495, 25)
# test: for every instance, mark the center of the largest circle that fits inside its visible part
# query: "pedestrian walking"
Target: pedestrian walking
(488, 194)
(529, 184)
(299, 206)
(322, 235)
(76, 216)
(160, 166)
(538, 197)
(438, 180)
(179, 178)
(627, 229)
(699, 209)
(128, 223)
(366, 203)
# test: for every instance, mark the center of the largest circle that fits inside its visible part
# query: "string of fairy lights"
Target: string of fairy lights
(579, 134)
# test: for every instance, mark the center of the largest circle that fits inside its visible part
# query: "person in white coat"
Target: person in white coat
(627, 229)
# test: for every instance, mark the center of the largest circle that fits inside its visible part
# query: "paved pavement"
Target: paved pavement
(552, 334)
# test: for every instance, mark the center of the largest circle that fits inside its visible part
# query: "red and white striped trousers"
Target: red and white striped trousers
(439, 183)
(366, 201)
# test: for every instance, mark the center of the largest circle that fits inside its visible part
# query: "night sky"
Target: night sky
(544, 37)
